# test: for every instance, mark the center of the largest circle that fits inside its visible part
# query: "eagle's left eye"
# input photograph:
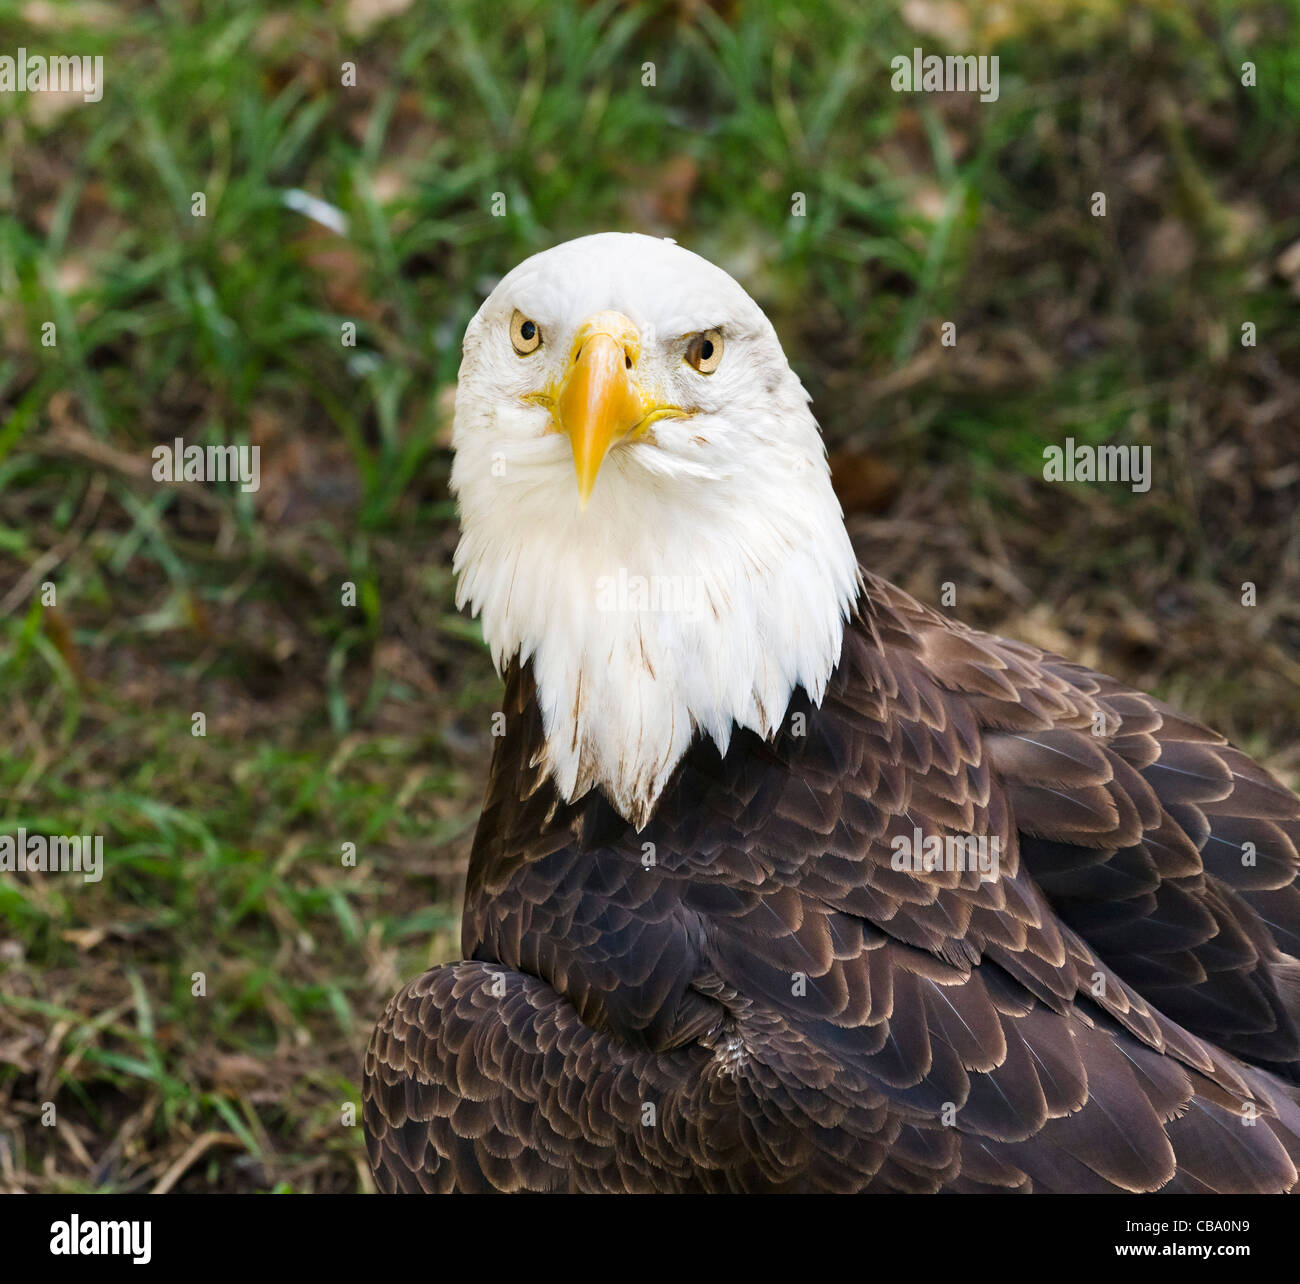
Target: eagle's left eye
(704, 352)
(524, 334)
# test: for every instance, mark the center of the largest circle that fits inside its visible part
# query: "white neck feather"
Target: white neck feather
(684, 599)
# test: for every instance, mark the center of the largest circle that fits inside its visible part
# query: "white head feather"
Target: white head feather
(709, 575)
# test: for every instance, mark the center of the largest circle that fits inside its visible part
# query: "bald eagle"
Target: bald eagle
(784, 881)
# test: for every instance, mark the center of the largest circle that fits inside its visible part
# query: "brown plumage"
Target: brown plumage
(1116, 1011)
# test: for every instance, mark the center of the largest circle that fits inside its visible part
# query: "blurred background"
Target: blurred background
(369, 724)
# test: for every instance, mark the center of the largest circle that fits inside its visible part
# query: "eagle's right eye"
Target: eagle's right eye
(524, 334)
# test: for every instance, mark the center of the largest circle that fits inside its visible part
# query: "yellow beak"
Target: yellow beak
(599, 400)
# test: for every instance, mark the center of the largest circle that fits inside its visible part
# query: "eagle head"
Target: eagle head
(646, 510)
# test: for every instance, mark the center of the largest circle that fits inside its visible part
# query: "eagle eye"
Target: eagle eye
(524, 334)
(704, 352)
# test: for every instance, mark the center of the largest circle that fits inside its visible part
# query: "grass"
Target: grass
(367, 724)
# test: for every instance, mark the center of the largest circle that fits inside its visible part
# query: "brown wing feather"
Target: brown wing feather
(1106, 1014)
